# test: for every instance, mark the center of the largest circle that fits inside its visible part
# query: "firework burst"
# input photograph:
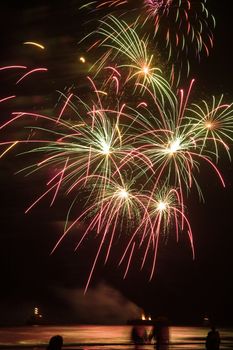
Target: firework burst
(130, 152)
(181, 30)
(175, 140)
(125, 47)
(213, 124)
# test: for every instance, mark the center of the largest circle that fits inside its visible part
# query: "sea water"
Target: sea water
(96, 337)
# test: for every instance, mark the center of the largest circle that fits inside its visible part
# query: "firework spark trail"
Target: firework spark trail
(33, 43)
(7, 98)
(178, 146)
(214, 123)
(186, 29)
(160, 214)
(12, 144)
(130, 168)
(180, 29)
(109, 213)
(90, 147)
(124, 44)
(168, 144)
(12, 67)
(119, 203)
(192, 16)
(30, 72)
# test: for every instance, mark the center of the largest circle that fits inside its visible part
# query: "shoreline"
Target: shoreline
(200, 344)
(104, 337)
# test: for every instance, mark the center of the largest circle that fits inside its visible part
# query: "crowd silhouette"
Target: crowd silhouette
(213, 339)
(158, 335)
(55, 343)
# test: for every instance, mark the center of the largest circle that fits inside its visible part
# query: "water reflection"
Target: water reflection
(105, 337)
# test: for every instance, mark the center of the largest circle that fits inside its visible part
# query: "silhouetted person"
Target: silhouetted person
(138, 336)
(213, 339)
(55, 343)
(160, 333)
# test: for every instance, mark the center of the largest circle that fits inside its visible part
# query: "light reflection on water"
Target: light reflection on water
(104, 337)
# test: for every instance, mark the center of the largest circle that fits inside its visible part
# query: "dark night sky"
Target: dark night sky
(182, 289)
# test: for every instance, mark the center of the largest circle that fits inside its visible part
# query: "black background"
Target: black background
(183, 289)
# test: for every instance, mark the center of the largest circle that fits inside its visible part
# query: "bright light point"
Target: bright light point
(174, 147)
(105, 148)
(209, 125)
(82, 59)
(161, 206)
(122, 193)
(145, 70)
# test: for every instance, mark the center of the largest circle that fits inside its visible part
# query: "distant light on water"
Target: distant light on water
(79, 335)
